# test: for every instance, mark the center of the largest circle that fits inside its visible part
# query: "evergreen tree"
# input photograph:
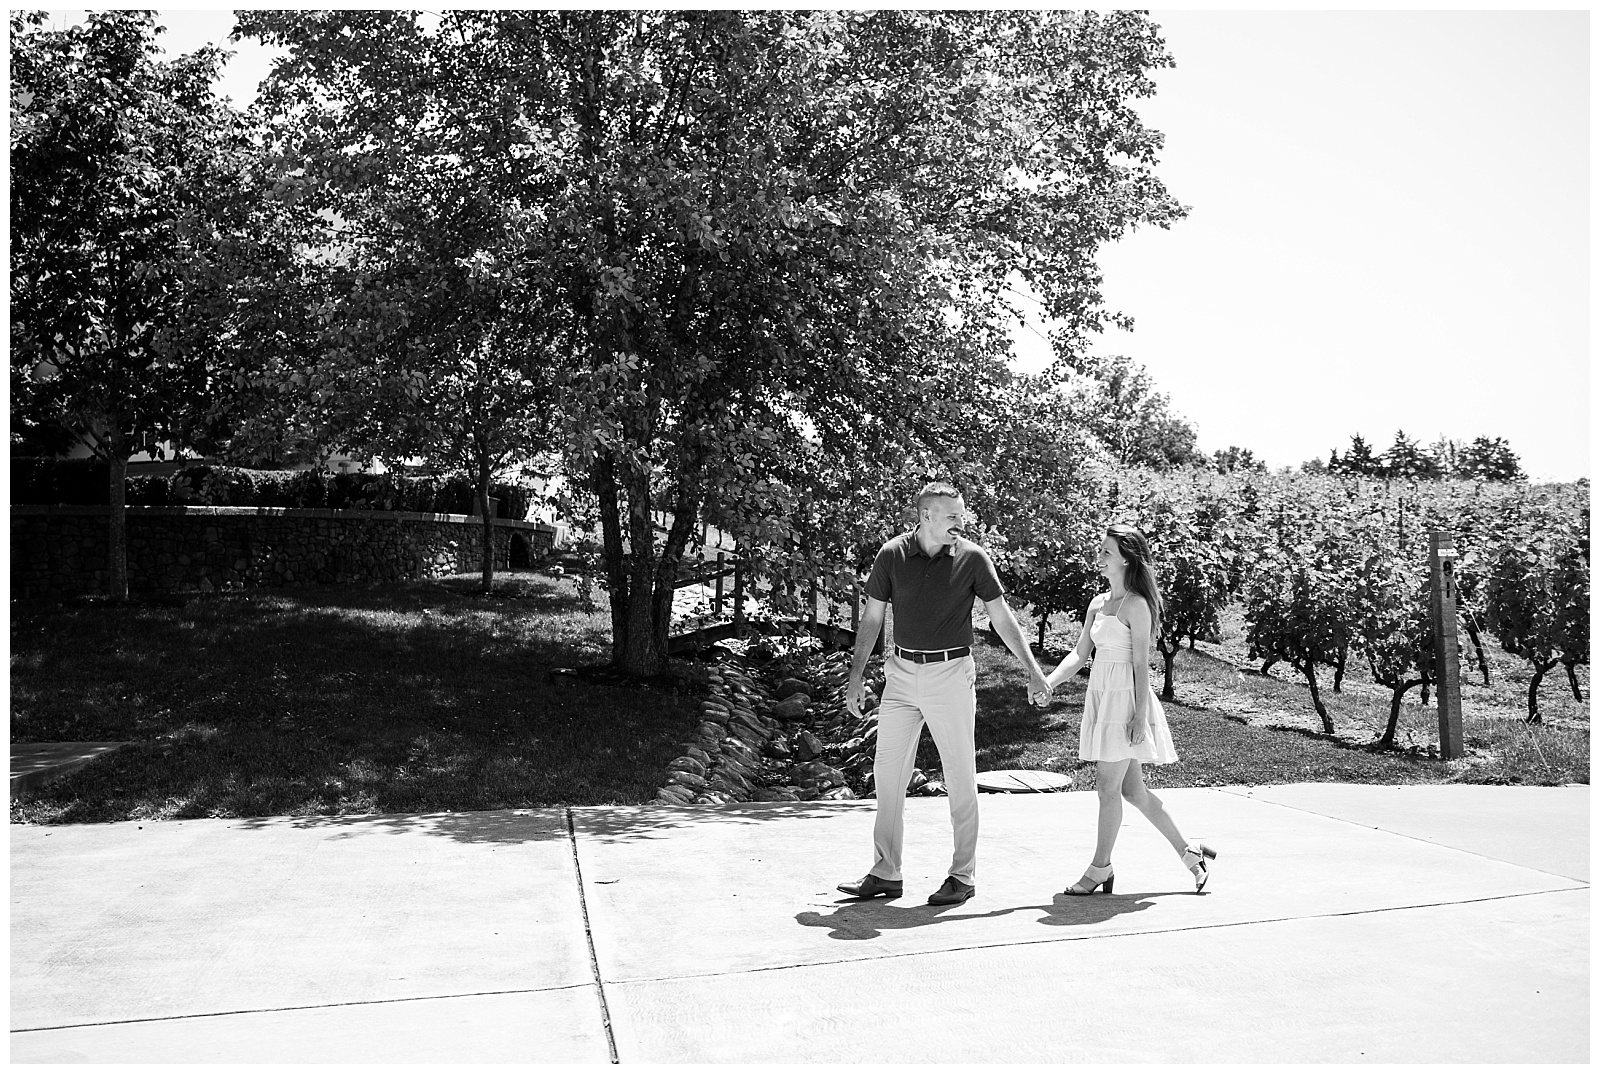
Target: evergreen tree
(1490, 460)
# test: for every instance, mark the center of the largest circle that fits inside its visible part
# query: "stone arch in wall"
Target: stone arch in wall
(521, 555)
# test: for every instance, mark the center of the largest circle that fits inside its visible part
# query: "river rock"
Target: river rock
(918, 780)
(697, 753)
(791, 686)
(688, 779)
(674, 795)
(815, 772)
(807, 747)
(837, 794)
(791, 708)
(686, 764)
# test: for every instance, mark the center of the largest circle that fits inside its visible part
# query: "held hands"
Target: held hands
(1040, 689)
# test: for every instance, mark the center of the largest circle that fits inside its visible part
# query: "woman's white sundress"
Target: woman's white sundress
(1108, 705)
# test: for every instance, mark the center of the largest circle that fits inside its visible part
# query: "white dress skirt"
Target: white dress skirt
(1108, 705)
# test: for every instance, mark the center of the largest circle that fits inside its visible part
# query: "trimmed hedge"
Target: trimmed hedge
(85, 482)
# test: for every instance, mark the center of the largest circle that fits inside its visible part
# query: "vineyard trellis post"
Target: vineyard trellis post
(1447, 647)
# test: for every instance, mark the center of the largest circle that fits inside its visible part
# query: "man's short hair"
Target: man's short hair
(935, 489)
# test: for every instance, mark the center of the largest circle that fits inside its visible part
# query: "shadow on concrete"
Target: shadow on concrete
(861, 919)
(606, 824)
(619, 823)
(503, 827)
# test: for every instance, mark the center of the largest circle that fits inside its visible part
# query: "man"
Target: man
(931, 575)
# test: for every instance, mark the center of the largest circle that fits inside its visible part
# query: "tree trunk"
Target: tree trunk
(641, 656)
(1539, 671)
(1572, 677)
(1338, 669)
(604, 475)
(1397, 694)
(117, 567)
(1267, 665)
(488, 522)
(1168, 655)
(1044, 621)
(1483, 664)
(685, 512)
(1316, 697)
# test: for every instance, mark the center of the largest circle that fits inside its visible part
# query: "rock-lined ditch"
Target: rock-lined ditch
(778, 731)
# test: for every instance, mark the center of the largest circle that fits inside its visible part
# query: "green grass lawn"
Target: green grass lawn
(426, 696)
(408, 697)
(1232, 726)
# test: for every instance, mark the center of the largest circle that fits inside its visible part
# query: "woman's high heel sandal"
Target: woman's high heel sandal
(1093, 877)
(1194, 859)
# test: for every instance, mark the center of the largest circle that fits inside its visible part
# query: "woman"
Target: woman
(1123, 724)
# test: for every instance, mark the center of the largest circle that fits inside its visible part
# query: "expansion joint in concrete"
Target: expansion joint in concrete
(588, 934)
(236, 1012)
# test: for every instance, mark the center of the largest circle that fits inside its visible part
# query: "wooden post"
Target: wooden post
(1446, 646)
(716, 604)
(738, 593)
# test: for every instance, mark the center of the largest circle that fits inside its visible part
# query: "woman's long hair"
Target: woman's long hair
(1138, 575)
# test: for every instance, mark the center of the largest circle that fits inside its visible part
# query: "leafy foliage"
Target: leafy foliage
(766, 244)
(1536, 600)
(130, 201)
(1394, 628)
(1131, 419)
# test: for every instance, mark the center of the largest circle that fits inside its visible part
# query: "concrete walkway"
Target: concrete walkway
(1343, 923)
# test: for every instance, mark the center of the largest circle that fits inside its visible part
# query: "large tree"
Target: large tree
(1133, 421)
(130, 196)
(778, 238)
(433, 340)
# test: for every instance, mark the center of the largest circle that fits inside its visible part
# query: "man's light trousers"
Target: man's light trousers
(942, 694)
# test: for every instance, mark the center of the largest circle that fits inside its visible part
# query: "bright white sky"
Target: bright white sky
(1389, 229)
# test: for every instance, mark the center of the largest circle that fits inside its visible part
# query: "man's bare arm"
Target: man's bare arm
(867, 629)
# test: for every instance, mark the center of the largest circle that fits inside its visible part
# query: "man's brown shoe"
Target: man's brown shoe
(952, 893)
(869, 886)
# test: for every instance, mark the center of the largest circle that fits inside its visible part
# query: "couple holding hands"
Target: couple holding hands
(931, 575)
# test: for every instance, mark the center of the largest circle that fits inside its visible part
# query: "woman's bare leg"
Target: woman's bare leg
(1108, 782)
(1144, 800)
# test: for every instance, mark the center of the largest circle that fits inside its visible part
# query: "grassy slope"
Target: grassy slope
(425, 696)
(1236, 727)
(395, 698)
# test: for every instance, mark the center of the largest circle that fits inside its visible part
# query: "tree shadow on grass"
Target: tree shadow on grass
(337, 700)
(868, 919)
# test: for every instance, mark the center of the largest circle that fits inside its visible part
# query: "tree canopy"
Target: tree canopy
(770, 243)
(131, 200)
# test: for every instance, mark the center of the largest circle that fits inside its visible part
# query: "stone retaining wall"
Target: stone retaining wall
(62, 551)
(782, 738)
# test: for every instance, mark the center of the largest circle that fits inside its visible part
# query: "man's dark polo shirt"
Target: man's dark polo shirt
(932, 598)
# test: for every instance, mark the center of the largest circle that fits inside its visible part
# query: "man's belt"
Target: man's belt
(933, 656)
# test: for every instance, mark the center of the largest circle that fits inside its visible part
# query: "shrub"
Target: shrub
(80, 482)
(85, 482)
